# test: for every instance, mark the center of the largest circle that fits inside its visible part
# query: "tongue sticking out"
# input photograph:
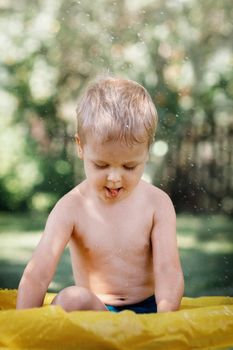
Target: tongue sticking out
(114, 192)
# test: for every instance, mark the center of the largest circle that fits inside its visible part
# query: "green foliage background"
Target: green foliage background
(181, 51)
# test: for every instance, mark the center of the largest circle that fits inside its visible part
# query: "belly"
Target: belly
(117, 283)
(116, 276)
(136, 295)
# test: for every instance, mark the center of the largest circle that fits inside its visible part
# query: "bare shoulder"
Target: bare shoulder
(159, 199)
(154, 192)
(67, 207)
(71, 199)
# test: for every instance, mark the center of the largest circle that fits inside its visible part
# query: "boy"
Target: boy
(121, 230)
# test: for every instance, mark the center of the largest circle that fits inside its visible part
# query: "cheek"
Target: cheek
(137, 175)
(132, 178)
(87, 170)
(96, 177)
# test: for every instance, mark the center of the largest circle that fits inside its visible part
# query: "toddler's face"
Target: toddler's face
(113, 169)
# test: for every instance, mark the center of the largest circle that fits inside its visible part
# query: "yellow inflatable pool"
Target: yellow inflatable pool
(202, 323)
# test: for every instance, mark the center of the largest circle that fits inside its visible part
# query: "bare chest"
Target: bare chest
(122, 234)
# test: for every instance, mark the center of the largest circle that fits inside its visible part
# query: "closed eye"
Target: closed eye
(129, 167)
(100, 166)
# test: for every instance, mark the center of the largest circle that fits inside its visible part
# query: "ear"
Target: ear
(79, 146)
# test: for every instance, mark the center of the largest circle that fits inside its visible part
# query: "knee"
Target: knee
(74, 298)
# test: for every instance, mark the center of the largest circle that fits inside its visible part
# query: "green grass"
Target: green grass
(205, 243)
(206, 249)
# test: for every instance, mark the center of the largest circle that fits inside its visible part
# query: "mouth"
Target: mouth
(112, 192)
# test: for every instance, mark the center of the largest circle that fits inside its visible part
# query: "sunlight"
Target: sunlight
(211, 246)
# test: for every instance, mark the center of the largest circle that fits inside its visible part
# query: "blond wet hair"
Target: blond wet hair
(116, 109)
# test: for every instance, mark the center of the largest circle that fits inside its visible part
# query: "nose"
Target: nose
(114, 175)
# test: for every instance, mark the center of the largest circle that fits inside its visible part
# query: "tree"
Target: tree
(180, 51)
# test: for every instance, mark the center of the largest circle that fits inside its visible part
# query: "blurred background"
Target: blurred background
(182, 52)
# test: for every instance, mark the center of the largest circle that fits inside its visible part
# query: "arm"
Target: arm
(169, 280)
(41, 268)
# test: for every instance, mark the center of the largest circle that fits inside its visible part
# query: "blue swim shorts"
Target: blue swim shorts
(146, 306)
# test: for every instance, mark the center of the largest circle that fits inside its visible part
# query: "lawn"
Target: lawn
(205, 243)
